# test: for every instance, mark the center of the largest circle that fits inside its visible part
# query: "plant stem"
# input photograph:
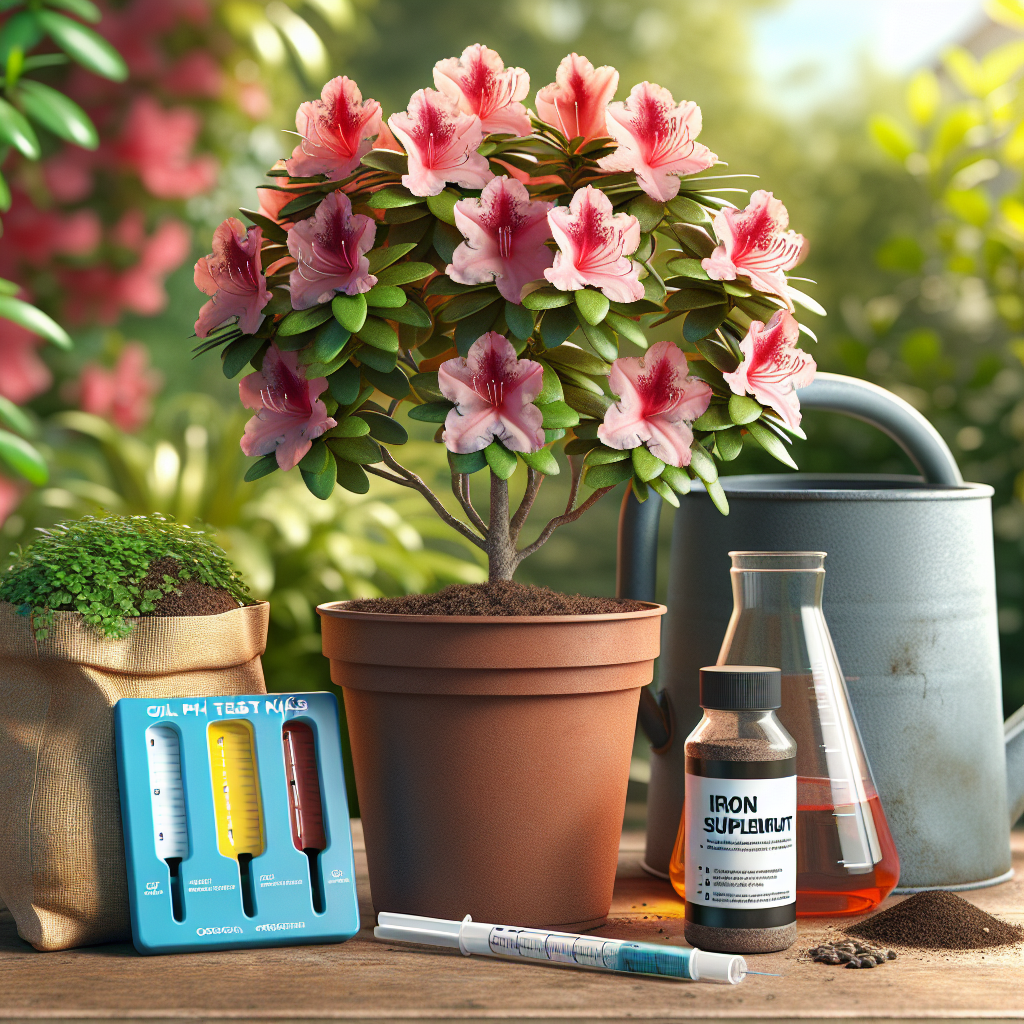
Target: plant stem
(502, 557)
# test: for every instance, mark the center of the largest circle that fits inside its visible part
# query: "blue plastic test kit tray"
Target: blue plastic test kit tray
(236, 822)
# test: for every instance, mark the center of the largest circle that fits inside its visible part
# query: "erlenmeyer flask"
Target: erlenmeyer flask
(846, 859)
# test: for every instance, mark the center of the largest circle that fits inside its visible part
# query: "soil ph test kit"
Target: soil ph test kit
(236, 822)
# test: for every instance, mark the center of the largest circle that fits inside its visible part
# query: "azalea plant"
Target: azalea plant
(479, 264)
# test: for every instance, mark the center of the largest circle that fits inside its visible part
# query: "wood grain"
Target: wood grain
(364, 980)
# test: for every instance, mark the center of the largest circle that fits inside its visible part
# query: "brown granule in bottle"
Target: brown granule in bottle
(501, 597)
(937, 920)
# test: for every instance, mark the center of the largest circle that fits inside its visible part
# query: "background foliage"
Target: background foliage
(910, 193)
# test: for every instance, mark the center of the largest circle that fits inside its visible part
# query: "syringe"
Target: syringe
(591, 951)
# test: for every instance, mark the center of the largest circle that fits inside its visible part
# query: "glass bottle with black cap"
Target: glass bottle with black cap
(734, 861)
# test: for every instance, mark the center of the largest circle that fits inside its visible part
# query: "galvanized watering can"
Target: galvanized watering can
(911, 604)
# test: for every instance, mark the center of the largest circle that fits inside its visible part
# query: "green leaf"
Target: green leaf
(547, 298)
(557, 325)
(462, 306)
(688, 211)
(352, 477)
(716, 417)
(771, 444)
(472, 327)
(586, 403)
(580, 446)
(349, 426)
(384, 428)
(22, 31)
(328, 342)
(383, 257)
(605, 456)
(807, 302)
(702, 464)
(472, 462)
(431, 412)
(639, 489)
(442, 206)
(579, 359)
(84, 45)
(52, 109)
(377, 359)
(743, 409)
(344, 384)
(891, 136)
(404, 273)
(695, 239)
(728, 443)
(392, 197)
(446, 240)
(717, 354)
(648, 211)
(602, 340)
(688, 268)
(677, 479)
(412, 314)
(321, 484)
(543, 461)
(16, 131)
(694, 298)
(362, 450)
(385, 296)
(270, 229)
(13, 417)
(34, 320)
(300, 204)
(315, 459)
(386, 160)
(239, 353)
(628, 329)
(654, 288)
(520, 320)
(558, 415)
(645, 465)
(394, 384)
(84, 9)
(660, 487)
(262, 467)
(500, 459)
(303, 320)
(23, 458)
(551, 389)
(699, 323)
(717, 495)
(608, 475)
(349, 311)
(592, 304)
(5, 195)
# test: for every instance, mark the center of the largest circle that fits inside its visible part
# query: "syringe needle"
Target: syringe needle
(764, 974)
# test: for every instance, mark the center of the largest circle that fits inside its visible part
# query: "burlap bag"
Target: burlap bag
(62, 871)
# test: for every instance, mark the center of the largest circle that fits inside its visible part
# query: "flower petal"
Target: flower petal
(575, 102)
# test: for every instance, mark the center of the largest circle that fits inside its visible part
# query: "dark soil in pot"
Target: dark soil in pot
(193, 597)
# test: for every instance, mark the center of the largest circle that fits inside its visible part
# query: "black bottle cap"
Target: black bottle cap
(740, 688)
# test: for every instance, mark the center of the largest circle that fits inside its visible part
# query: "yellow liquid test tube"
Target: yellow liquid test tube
(236, 799)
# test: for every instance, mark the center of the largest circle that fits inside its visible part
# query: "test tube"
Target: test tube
(167, 796)
(236, 798)
(304, 803)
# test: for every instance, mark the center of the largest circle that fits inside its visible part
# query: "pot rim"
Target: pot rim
(919, 490)
(337, 609)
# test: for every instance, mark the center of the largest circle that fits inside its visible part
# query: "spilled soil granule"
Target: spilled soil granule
(937, 920)
(194, 598)
(502, 597)
(852, 954)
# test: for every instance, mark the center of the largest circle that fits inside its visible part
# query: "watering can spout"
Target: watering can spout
(638, 539)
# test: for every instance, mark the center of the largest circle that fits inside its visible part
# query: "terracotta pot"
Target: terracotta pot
(492, 756)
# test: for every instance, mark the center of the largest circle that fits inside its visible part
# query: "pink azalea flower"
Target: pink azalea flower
(329, 249)
(481, 84)
(141, 287)
(441, 142)
(157, 145)
(10, 497)
(755, 243)
(385, 140)
(655, 137)
(493, 392)
(123, 394)
(289, 414)
(336, 131)
(657, 403)
(23, 375)
(594, 244)
(195, 73)
(575, 102)
(773, 367)
(233, 276)
(505, 235)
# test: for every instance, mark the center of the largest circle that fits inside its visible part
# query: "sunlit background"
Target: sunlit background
(891, 129)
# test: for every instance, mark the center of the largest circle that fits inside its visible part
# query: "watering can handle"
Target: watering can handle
(638, 523)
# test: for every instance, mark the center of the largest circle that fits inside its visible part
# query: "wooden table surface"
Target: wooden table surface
(368, 980)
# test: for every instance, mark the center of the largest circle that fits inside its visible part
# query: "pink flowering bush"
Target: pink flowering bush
(480, 264)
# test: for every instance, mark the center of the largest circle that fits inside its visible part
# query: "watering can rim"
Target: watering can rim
(775, 488)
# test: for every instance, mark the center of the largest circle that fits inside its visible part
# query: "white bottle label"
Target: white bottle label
(740, 842)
